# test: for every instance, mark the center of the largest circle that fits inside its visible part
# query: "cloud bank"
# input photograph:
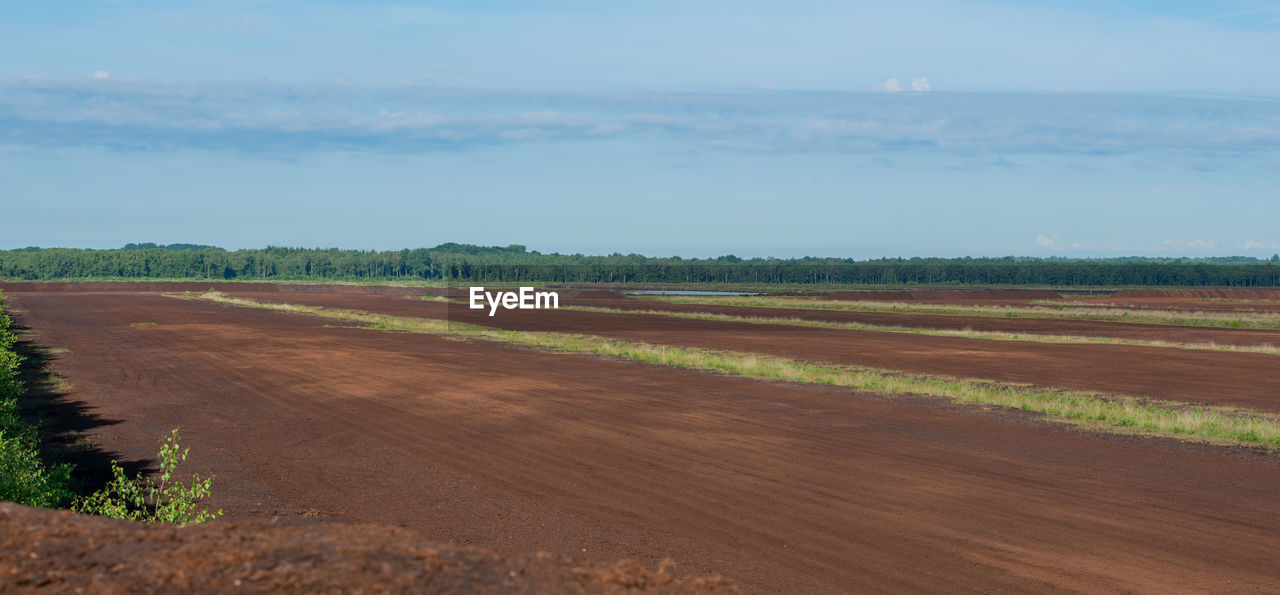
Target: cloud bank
(269, 117)
(891, 85)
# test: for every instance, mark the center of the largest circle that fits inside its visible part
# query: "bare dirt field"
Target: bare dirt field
(1212, 300)
(1043, 326)
(950, 296)
(783, 488)
(1192, 376)
(180, 286)
(1178, 303)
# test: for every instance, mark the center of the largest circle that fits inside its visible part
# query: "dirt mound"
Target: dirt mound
(1221, 294)
(61, 551)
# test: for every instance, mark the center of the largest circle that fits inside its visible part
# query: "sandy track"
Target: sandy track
(780, 487)
(1193, 376)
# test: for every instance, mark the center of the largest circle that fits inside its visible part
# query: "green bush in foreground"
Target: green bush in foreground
(10, 385)
(24, 478)
(6, 334)
(153, 500)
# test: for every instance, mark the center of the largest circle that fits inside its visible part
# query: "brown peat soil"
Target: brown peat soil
(1191, 376)
(781, 487)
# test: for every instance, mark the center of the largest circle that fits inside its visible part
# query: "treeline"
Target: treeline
(149, 246)
(467, 263)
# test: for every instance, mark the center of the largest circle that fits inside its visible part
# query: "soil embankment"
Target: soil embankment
(57, 551)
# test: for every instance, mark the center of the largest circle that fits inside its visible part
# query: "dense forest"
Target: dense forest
(467, 263)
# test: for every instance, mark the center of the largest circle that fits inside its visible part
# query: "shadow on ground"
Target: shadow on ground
(65, 424)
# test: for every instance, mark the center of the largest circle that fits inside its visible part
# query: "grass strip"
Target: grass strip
(1121, 414)
(1233, 320)
(961, 333)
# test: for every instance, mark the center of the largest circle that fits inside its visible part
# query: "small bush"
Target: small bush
(1247, 436)
(7, 339)
(10, 385)
(24, 478)
(161, 499)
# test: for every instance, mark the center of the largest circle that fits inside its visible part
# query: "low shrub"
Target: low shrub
(159, 499)
(24, 478)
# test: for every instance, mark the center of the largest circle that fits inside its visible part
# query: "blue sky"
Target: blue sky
(786, 129)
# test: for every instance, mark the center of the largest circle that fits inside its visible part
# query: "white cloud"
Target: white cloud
(1185, 245)
(993, 128)
(889, 85)
(1253, 245)
(918, 83)
(101, 74)
(1044, 241)
(1054, 242)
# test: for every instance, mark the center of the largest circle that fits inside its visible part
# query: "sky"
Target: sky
(849, 129)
